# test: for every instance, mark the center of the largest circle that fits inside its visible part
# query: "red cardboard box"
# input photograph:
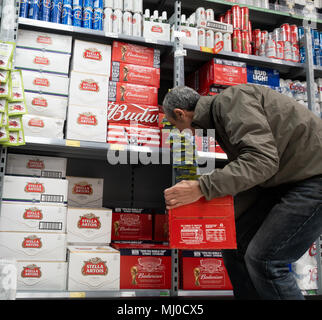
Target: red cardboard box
(131, 226)
(131, 73)
(135, 54)
(203, 225)
(203, 270)
(161, 227)
(132, 93)
(144, 266)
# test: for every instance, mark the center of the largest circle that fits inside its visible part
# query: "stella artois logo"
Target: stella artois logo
(157, 29)
(187, 32)
(89, 85)
(33, 214)
(40, 102)
(35, 122)
(44, 40)
(41, 82)
(82, 188)
(92, 54)
(41, 60)
(94, 267)
(89, 221)
(87, 118)
(36, 164)
(34, 187)
(32, 242)
(31, 271)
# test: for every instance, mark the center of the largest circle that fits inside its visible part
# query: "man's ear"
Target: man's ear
(179, 113)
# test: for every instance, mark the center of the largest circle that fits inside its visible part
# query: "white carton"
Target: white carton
(42, 60)
(38, 126)
(36, 166)
(86, 123)
(91, 57)
(45, 82)
(93, 269)
(33, 246)
(35, 190)
(85, 192)
(41, 275)
(29, 217)
(153, 31)
(89, 226)
(46, 41)
(189, 35)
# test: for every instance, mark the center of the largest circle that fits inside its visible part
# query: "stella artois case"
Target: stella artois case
(89, 225)
(156, 30)
(93, 268)
(85, 192)
(41, 275)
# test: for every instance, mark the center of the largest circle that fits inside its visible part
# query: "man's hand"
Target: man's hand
(182, 193)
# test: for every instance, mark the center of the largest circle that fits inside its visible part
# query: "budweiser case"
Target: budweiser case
(135, 54)
(85, 192)
(154, 31)
(44, 41)
(39, 166)
(42, 60)
(161, 227)
(86, 123)
(93, 268)
(132, 93)
(203, 270)
(88, 89)
(131, 73)
(33, 246)
(36, 190)
(90, 225)
(41, 275)
(29, 217)
(46, 105)
(144, 266)
(91, 57)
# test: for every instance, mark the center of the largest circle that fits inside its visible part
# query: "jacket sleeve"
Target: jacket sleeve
(242, 117)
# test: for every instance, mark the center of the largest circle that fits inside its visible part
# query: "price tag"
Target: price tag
(180, 53)
(111, 35)
(151, 40)
(119, 147)
(77, 294)
(179, 34)
(206, 49)
(72, 143)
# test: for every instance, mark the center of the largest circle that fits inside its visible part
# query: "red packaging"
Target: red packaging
(203, 225)
(294, 34)
(135, 54)
(264, 36)
(257, 38)
(131, 73)
(228, 15)
(245, 43)
(236, 17)
(205, 144)
(144, 266)
(131, 112)
(132, 93)
(237, 41)
(131, 226)
(286, 32)
(280, 50)
(295, 52)
(250, 32)
(203, 270)
(244, 19)
(161, 227)
(222, 18)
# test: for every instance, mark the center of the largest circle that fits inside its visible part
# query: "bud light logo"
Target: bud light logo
(57, 5)
(47, 3)
(87, 16)
(78, 14)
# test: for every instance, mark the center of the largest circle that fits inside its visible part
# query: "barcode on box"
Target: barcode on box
(50, 225)
(51, 174)
(52, 198)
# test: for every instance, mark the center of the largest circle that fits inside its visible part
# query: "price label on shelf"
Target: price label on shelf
(72, 143)
(206, 49)
(111, 35)
(77, 294)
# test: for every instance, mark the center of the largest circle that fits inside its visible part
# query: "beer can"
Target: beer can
(127, 23)
(117, 21)
(237, 41)
(218, 41)
(280, 50)
(270, 47)
(77, 16)
(24, 9)
(315, 39)
(201, 37)
(294, 34)
(265, 4)
(98, 19)
(244, 18)
(137, 24)
(200, 14)
(286, 31)
(210, 15)
(34, 9)
(87, 21)
(56, 9)
(227, 42)
(128, 5)
(45, 10)
(67, 13)
(250, 31)
(108, 4)
(138, 6)
(228, 17)
(264, 36)
(257, 38)
(108, 19)
(117, 4)
(302, 55)
(222, 18)
(295, 52)
(245, 42)
(210, 39)
(236, 17)
(288, 55)
(276, 34)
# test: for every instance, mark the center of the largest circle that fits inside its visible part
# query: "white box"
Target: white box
(86, 123)
(41, 275)
(38, 126)
(36, 166)
(33, 246)
(45, 61)
(89, 225)
(91, 57)
(28, 217)
(154, 31)
(93, 269)
(190, 35)
(35, 190)
(88, 89)
(85, 192)
(45, 82)
(43, 40)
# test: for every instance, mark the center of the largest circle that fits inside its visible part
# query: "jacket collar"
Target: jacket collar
(202, 118)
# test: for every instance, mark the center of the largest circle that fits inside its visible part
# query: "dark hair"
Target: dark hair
(182, 97)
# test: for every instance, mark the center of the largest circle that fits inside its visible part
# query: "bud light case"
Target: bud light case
(263, 76)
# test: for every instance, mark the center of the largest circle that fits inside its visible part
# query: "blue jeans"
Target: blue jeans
(274, 232)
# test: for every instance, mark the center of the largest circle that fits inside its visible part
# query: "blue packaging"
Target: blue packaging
(263, 76)
(87, 21)
(67, 13)
(34, 9)
(302, 55)
(56, 9)
(24, 8)
(315, 39)
(77, 16)
(98, 19)
(98, 4)
(45, 10)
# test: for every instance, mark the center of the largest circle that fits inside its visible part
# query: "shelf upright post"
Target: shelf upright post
(309, 68)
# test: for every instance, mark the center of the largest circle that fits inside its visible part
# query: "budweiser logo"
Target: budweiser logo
(41, 60)
(44, 40)
(36, 123)
(34, 187)
(89, 85)
(94, 267)
(130, 219)
(41, 102)
(36, 164)
(41, 82)
(87, 119)
(92, 54)
(82, 188)
(31, 271)
(32, 242)
(33, 214)
(89, 221)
